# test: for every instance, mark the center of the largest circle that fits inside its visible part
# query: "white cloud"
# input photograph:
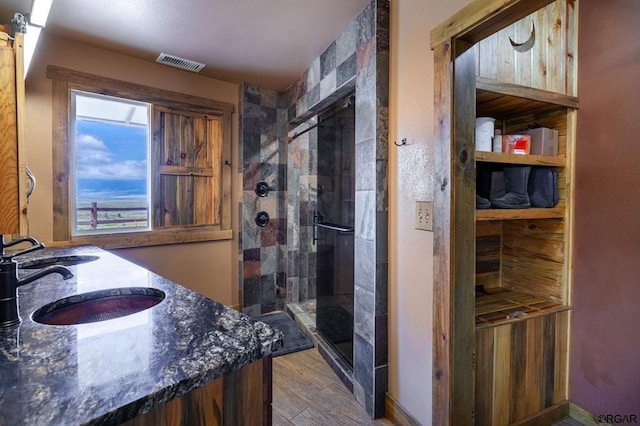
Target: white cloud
(91, 151)
(95, 161)
(85, 141)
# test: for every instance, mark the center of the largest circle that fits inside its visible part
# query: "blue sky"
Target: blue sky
(111, 161)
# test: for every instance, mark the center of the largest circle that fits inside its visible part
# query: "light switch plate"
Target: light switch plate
(424, 215)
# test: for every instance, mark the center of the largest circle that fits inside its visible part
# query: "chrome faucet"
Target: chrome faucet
(9, 281)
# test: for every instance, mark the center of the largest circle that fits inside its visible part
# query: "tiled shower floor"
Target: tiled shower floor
(304, 313)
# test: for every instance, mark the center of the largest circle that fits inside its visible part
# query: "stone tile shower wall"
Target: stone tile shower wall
(262, 251)
(359, 59)
(301, 192)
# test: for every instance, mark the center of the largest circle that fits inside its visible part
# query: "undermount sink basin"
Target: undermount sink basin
(70, 260)
(99, 305)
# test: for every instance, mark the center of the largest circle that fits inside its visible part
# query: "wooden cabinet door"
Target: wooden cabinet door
(9, 207)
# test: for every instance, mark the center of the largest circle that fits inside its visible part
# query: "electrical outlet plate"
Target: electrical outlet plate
(424, 215)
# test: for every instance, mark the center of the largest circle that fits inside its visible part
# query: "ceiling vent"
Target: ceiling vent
(178, 62)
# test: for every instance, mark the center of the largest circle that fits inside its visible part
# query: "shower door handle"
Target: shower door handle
(317, 218)
(331, 226)
(334, 227)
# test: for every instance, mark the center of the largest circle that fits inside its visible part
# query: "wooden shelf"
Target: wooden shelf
(501, 306)
(511, 214)
(496, 99)
(532, 160)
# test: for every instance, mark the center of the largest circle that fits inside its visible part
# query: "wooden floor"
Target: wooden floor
(307, 392)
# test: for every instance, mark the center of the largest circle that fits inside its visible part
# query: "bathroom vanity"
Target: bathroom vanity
(185, 360)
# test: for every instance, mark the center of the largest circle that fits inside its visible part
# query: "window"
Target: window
(136, 166)
(110, 173)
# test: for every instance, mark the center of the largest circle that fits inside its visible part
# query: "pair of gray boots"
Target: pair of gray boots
(515, 194)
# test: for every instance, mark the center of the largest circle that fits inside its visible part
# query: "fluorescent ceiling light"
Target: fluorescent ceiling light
(37, 20)
(30, 41)
(40, 12)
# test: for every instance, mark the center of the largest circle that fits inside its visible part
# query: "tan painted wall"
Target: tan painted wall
(411, 178)
(209, 268)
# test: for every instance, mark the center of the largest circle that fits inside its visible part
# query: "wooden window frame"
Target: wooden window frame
(65, 80)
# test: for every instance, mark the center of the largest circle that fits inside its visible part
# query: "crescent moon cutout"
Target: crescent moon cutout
(527, 45)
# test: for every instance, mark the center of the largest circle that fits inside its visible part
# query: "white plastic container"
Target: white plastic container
(484, 133)
(497, 141)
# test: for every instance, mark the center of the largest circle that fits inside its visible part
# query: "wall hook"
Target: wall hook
(402, 142)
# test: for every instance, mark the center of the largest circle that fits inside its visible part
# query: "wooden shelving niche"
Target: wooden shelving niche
(523, 250)
(502, 277)
(521, 278)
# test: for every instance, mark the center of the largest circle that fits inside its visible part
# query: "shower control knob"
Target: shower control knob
(262, 189)
(262, 219)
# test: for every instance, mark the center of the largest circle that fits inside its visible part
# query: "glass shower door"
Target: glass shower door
(334, 227)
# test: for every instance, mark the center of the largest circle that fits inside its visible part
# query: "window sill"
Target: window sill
(151, 238)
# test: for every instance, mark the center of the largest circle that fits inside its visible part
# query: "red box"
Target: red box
(516, 144)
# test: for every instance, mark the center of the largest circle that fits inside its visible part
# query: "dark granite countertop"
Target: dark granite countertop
(111, 371)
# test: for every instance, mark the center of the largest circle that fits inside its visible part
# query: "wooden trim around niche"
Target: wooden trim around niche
(453, 390)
